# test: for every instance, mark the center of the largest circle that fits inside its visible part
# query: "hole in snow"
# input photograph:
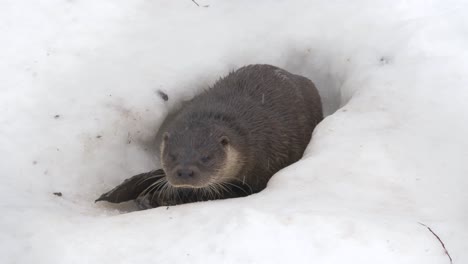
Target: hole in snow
(317, 71)
(321, 70)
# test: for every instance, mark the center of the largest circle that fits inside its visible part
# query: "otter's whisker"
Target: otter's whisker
(243, 183)
(208, 192)
(158, 188)
(213, 188)
(148, 190)
(236, 186)
(217, 190)
(163, 190)
(149, 178)
(151, 187)
(205, 193)
(223, 187)
(212, 194)
(170, 193)
(176, 191)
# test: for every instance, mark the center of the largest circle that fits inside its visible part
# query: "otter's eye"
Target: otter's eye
(224, 140)
(205, 159)
(172, 157)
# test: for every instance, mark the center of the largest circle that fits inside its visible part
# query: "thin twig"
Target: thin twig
(195, 2)
(440, 240)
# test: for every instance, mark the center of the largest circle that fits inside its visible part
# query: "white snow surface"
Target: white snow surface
(392, 152)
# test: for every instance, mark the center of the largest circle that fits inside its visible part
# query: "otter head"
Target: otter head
(198, 157)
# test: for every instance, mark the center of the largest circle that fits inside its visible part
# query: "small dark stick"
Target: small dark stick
(163, 95)
(59, 194)
(440, 240)
(198, 4)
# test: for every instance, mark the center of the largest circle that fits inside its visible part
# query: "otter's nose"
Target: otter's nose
(185, 173)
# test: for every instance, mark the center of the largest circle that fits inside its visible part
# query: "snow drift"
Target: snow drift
(79, 109)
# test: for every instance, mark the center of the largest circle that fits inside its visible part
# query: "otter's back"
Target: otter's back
(276, 112)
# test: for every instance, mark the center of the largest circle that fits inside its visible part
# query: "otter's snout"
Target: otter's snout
(185, 173)
(186, 176)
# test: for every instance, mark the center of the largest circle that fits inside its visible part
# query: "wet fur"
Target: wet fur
(270, 115)
(267, 113)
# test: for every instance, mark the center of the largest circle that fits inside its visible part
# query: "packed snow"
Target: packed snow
(79, 109)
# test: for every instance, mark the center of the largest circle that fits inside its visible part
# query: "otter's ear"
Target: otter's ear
(165, 136)
(224, 140)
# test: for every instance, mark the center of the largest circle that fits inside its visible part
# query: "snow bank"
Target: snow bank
(79, 109)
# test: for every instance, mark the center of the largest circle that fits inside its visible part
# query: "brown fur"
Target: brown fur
(264, 114)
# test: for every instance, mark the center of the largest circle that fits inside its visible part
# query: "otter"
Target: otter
(229, 140)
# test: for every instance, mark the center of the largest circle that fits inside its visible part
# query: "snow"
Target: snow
(393, 155)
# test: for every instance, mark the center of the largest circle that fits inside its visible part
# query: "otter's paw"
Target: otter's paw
(131, 188)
